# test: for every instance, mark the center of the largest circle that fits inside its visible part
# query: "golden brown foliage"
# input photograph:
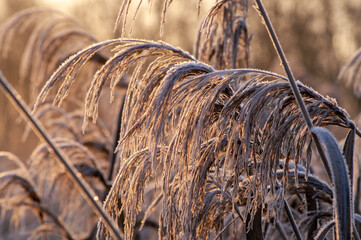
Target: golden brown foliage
(202, 151)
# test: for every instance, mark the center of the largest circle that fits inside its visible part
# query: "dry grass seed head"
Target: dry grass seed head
(223, 40)
(17, 194)
(51, 231)
(128, 54)
(124, 11)
(69, 70)
(252, 128)
(53, 37)
(131, 54)
(233, 131)
(12, 159)
(56, 189)
(67, 125)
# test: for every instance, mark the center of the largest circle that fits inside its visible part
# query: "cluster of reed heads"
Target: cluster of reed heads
(190, 146)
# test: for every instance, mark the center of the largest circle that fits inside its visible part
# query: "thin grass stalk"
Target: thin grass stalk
(330, 166)
(355, 233)
(357, 198)
(284, 62)
(292, 220)
(255, 230)
(292, 81)
(322, 232)
(281, 230)
(219, 235)
(311, 206)
(73, 174)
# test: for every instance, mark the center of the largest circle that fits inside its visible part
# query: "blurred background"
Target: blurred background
(318, 37)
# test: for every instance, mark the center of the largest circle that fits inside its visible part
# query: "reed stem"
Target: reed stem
(73, 174)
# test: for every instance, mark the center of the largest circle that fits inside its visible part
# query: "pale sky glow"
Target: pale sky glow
(60, 4)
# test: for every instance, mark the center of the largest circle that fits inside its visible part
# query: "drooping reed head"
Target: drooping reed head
(48, 37)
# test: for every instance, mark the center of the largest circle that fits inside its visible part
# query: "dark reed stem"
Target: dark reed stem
(292, 220)
(355, 233)
(284, 62)
(357, 199)
(281, 230)
(292, 81)
(73, 174)
(336, 171)
(225, 228)
(254, 231)
(322, 232)
(311, 206)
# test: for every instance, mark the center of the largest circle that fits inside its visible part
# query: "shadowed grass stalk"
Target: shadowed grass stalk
(71, 171)
(322, 232)
(254, 226)
(225, 228)
(355, 231)
(281, 230)
(292, 220)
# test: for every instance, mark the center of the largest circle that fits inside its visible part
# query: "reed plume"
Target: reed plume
(205, 147)
(351, 73)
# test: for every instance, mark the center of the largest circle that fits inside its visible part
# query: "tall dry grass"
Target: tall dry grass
(204, 148)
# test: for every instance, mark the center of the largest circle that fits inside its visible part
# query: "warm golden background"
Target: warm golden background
(318, 37)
